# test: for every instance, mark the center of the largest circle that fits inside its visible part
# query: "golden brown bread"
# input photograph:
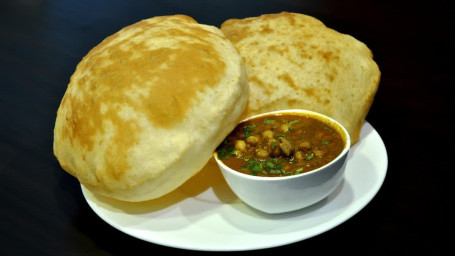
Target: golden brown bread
(146, 108)
(295, 61)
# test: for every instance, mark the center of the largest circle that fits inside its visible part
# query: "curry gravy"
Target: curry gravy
(280, 145)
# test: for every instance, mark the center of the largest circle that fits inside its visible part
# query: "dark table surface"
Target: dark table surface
(42, 209)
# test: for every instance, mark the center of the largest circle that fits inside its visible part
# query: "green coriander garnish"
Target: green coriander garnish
(309, 157)
(248, 130)
(293, 122)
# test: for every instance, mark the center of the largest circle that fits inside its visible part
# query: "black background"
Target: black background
(43, 212)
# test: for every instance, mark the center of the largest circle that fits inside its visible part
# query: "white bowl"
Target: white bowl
(288, 193)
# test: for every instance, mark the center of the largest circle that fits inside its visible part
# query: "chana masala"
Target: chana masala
(280, 145)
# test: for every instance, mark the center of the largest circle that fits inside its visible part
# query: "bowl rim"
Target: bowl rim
(332, 121)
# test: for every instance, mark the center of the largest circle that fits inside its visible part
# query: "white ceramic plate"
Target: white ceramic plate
(204, 214)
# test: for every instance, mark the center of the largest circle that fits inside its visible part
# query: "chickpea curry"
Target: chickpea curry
(280, 145)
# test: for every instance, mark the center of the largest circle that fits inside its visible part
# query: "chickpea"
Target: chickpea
(268, 134)
(262, 153)
(252, 140)
(285, 128)
(298, 156)
(272, 143)
(240, 145)
(318, 153)
(305, 145)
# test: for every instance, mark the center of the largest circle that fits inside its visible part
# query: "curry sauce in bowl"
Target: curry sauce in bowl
(280, 145)
(284, 160)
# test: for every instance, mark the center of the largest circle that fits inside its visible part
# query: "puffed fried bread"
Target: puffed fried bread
(294, 61)
(146, 108)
